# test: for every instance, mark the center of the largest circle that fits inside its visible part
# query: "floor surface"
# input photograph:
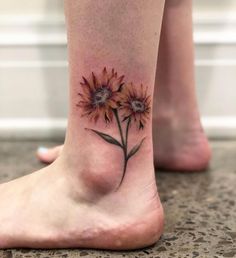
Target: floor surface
(200, 207)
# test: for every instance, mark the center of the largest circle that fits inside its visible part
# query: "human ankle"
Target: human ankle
(177, 118)
(114, 128)
(180, 142)
(100, 170)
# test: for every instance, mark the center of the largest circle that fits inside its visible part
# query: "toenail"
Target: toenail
(42, 150)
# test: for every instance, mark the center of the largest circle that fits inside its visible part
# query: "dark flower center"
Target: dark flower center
(101, 95)
(137, 106)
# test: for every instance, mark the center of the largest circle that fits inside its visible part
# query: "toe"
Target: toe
(48, 155)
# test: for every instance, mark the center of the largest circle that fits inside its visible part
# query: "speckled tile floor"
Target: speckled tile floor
(200, 207)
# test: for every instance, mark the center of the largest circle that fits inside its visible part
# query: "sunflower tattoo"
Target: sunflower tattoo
(135, 104)
(100, 95)
(107, 97)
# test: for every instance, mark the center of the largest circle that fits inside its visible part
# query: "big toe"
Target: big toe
(48, 155)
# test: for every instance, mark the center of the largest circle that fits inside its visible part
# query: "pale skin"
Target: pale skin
(179, 140)
(78, 201)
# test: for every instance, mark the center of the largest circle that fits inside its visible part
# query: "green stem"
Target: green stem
(127, 133)
(124, 142)
(119, 126)
(126, 150)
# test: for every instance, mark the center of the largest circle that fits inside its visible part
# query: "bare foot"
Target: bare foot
(54, 208)
(102, 195)
(175, 148)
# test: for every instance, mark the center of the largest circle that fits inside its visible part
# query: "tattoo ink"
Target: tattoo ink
(108, 97)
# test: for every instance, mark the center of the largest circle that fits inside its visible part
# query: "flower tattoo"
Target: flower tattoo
(100, 95)
(106, 96)
(136, 104)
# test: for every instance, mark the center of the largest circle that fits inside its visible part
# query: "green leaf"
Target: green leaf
(135, 149)
(106, 137)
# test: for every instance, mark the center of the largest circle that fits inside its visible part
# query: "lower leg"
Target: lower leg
(104, 179)
(179, 140)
